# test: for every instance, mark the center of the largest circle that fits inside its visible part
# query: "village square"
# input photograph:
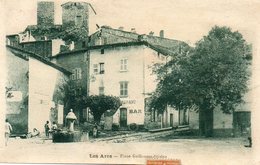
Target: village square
(69, 88)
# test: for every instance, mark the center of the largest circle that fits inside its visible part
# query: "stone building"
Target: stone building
(28, 96)
(77, 63)
(107, 35)
(75, 17)
(45, 13)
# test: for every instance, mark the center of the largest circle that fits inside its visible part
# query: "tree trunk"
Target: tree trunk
(206, 122)
(97, 117)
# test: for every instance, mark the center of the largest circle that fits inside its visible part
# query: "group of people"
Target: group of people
(50, 129)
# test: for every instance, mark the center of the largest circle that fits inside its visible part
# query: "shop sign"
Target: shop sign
(128, 101)
(135, 111)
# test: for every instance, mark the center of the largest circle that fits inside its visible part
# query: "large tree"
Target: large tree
(215, 73)
(99, 104)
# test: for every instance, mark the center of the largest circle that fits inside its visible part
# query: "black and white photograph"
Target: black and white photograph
(130, 82)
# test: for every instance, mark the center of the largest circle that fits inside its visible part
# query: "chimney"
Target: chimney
(162, 33)
(133, 30)
(45, 13)
(151, 33)
(121, 28)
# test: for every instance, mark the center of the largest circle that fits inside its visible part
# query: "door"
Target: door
(171, 120)
(123, 117)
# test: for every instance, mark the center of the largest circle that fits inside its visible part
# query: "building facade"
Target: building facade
(77, 63)
(125, 70)
(30, 102)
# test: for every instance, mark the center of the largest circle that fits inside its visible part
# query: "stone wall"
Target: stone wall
(75, 14)
(43, 48)
(17, 83)
(45, 13)
(44, 81)
(71, 61)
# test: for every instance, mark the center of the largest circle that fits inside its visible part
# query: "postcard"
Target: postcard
(130, 82)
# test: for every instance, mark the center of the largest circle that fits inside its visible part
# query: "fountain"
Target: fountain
(71, 117)
(69, 135)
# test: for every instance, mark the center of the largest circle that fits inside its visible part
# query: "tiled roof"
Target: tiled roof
(126, 44)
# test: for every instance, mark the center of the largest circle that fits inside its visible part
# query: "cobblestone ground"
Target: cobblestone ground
(226, 151)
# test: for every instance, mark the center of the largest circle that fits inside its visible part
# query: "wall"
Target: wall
(43, 81)
(17, 80)
(138, 75)
(45, 13)
(111, 36)
(113, 76)
(222, 123)
(71, 61)
(71, 10)
(12, 40)
(43, 48)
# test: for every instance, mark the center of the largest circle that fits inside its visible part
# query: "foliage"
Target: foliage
(99, 104)
(68, 33)
(215, 73)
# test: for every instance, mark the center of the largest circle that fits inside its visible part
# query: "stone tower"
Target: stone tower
(75, 15)
(45, 13)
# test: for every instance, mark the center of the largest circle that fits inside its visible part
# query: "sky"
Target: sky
(183, 20)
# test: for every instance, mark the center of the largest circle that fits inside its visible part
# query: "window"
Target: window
(76, 74)
(101, 90)
(124, 89)
(79, 20)
(123, 65)
(101, 68)
(73, 75)
(95, 68)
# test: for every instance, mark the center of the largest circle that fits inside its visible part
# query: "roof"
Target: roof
(166, 45)
(16, 51)
(126, 44)
(12, 35)
(135, 35)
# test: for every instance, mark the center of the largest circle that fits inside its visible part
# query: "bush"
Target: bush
(133, 127)
(115, 127)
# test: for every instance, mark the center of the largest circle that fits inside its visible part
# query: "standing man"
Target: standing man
(8, 130)
(47, 129)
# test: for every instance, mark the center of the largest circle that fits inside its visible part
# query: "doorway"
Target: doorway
(123, 117)
(171, 120)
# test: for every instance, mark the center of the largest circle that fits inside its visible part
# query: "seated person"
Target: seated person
(54, 126)
(35, 133)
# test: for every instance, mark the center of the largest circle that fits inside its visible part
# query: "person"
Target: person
(54, 126)
(35, 133)
(8, 130)
(249, 137)
(47, 128)
(95, 131)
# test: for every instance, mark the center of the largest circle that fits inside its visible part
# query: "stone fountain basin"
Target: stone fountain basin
(66, 136)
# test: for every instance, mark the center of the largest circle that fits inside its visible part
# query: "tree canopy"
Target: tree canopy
(214, 73)
(99, 104)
